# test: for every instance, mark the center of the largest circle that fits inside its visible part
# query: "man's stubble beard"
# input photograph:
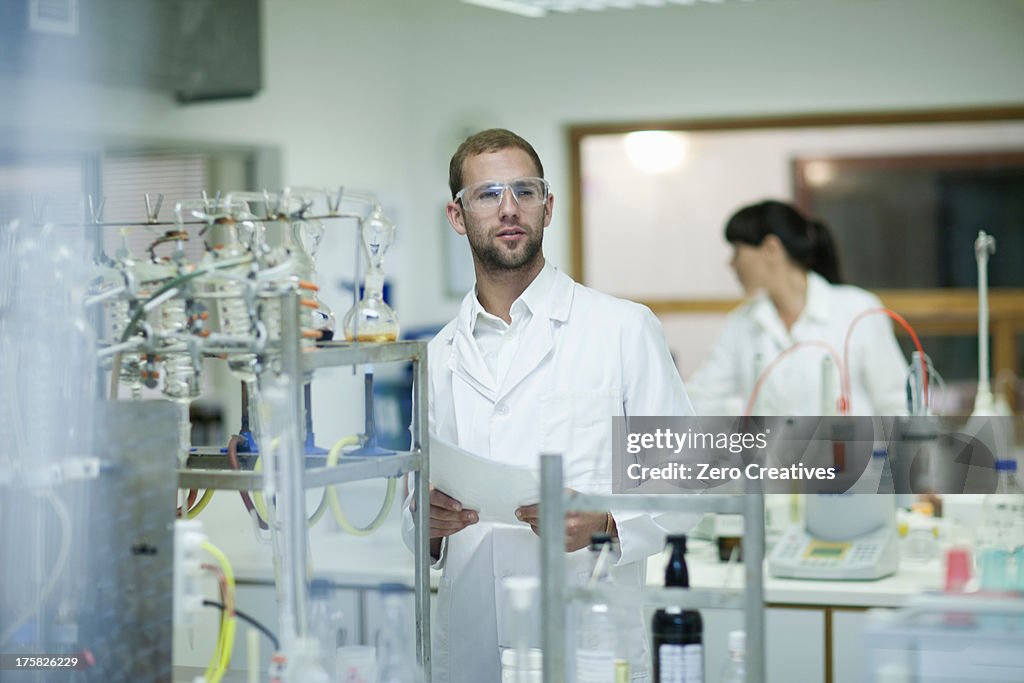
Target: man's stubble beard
(494, 257)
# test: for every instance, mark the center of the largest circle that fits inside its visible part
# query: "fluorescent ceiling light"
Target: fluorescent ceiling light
(540, 8)
(656, 151)
(526, 9)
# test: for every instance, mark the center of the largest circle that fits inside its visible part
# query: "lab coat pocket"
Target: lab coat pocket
(441, 631)
(578, 425)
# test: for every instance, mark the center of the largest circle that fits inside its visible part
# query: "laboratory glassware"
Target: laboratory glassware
(396, 660)
(735, 670)
(371, 319)
(521, 664)
(1003, 510)
(678, 634)
(597, 658)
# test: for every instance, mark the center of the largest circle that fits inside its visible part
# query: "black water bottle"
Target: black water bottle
(678, 634)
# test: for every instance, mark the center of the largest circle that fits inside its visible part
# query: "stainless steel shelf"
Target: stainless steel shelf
(333, 354)
(626, 596)
(555, 593)
(216, 473)
(657, 502)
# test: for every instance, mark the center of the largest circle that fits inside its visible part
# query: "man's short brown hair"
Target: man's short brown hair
(490, 140)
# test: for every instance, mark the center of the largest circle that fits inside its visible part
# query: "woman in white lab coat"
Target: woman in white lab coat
(788, 266)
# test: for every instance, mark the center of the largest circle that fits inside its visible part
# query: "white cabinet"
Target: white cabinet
(794, 643)
(848, 651)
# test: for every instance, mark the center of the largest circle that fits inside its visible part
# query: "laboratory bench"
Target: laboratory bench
(814, 628)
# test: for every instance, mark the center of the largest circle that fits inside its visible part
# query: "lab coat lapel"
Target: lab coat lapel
(465, 360)
(768, 320)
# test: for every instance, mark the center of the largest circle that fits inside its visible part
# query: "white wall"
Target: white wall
(376, 94)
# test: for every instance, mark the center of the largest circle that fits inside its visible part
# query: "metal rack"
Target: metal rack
(208, 468)
(556, 501)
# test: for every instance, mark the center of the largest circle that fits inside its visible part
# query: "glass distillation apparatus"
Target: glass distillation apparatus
(371, 319)
(303, 237)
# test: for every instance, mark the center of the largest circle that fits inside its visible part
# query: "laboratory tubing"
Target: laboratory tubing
(984, 246)
(830, 393)
(678, 633)
(917, 403)
(735, 670)
(597, 635)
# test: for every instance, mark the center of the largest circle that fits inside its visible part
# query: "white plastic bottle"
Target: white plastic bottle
(1003, 510)
(395, 656)
(598, 636)
(324, 624)
(735, 670)
(307, 667)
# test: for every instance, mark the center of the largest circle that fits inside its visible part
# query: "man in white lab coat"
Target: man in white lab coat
(533, 363)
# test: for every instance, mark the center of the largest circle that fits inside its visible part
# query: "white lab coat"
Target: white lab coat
(723, 384)
(585, 358)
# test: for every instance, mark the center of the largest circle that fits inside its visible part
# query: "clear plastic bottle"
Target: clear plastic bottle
(395, 656)
(735, 670)
(1003, 510)
(598, 635)
(306, 667)
(324, 624)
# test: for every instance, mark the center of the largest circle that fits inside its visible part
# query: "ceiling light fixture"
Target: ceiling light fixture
(540, 8)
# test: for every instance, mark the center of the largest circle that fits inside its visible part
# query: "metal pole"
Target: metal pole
(421, 480)
(292, 462)
(753, 556)
(552, 567)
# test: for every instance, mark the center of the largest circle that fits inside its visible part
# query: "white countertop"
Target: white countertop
(383, 557)
(706, 571)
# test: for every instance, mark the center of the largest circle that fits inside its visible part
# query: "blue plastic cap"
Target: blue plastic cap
(319, 588)
(394, 588)
(1006, 465)
(880, 453)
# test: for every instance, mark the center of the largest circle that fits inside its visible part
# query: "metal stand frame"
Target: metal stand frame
(555, 502)
(295, 363)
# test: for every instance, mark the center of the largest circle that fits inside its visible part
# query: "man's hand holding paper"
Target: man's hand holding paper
(493, 490)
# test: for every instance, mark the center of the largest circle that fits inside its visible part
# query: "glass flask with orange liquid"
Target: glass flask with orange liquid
(371, 319)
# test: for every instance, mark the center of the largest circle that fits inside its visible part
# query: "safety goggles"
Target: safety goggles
(486, 196)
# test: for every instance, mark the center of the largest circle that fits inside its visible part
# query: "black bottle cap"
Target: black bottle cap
(678, 541)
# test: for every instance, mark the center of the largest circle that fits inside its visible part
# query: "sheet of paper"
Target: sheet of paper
(492, 489)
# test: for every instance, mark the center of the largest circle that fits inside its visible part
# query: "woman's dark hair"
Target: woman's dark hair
(808, 242)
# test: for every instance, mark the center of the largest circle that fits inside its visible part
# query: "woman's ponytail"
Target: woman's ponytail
(824, 255)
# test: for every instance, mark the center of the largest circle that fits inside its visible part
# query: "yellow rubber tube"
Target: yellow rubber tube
(332, 496)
